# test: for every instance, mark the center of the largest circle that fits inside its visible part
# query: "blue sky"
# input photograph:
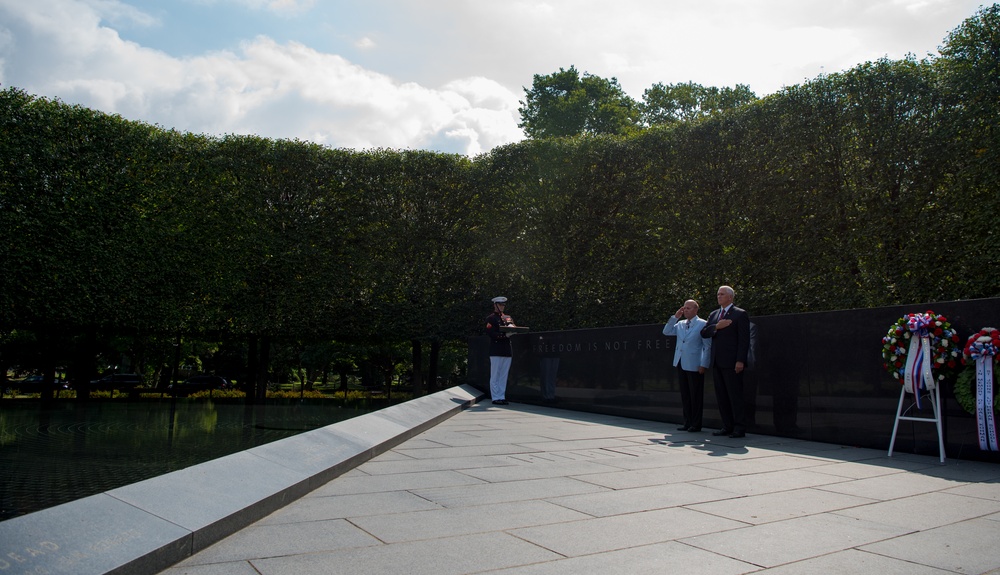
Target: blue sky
(442, 75)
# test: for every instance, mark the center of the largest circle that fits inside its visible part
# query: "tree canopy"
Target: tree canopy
(565, 103)
(666, 104)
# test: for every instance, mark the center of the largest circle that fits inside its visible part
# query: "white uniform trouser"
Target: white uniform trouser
(499, 368)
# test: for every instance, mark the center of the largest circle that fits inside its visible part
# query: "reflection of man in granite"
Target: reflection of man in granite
(692, 356)
(548, 365)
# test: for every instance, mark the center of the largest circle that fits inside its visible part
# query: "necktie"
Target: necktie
(722, 313)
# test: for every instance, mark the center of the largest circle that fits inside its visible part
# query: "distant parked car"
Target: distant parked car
(200, 383)
(116, 381)
(35, 384)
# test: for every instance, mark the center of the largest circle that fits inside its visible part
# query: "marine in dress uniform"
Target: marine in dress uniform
(500, 350)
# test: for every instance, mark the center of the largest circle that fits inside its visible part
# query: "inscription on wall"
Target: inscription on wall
(549, 345)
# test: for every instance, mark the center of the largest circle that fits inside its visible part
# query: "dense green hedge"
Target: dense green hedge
(873, 186)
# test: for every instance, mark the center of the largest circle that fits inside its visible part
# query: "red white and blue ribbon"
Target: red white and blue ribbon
(983, 352)
(917, 374)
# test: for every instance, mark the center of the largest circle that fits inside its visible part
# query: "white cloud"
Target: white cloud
(120, 14)
(766, 44)
(290, 5)
(275, 90)
(326, 98)
(286, 7)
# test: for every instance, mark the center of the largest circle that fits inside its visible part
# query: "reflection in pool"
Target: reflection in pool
(72, 450)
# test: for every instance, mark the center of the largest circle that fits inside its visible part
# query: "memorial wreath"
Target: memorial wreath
(920, 350)
(975, 388)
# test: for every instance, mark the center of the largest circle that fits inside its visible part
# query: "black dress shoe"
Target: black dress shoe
(721, 432)
(694, 429)
(737, 435)
(685, 428)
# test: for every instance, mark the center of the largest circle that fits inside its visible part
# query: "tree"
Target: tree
(970, 61)
(671, 103)
(970, 77)
(565, 104)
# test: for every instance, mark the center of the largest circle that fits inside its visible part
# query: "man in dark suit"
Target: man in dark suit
(729, 328)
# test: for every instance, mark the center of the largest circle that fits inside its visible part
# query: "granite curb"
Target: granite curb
(150, 525)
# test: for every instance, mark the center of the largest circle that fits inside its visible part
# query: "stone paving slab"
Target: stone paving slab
(924, 511)
(779, 506)
(781, 542)
(854, 561)
(529, 489)
(623, 531)
(344, 506)
(497, 490)
(362, 483)
(965, 547)
(451, 522)
(478, 553)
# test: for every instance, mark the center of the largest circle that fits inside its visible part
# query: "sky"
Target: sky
(440, 75)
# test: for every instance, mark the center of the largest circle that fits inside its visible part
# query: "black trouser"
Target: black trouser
(729, 394)
(692, 386)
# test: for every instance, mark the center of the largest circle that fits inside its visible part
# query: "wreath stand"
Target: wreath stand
(935, 399)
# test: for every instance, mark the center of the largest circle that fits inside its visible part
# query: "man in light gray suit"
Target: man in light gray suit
(692, 356)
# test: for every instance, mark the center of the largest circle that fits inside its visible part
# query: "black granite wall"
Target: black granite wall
(818, 376)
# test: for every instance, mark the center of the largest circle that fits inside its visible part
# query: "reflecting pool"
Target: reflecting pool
(71, 450)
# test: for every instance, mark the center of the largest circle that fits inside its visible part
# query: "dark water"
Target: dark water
(72, 450)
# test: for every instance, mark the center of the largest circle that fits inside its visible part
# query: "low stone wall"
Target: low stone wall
(148, 526)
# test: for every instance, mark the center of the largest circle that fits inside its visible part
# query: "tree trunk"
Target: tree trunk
(432, 369)
(262, 368)
(250, 385)
(417, 371)
(176, 367)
